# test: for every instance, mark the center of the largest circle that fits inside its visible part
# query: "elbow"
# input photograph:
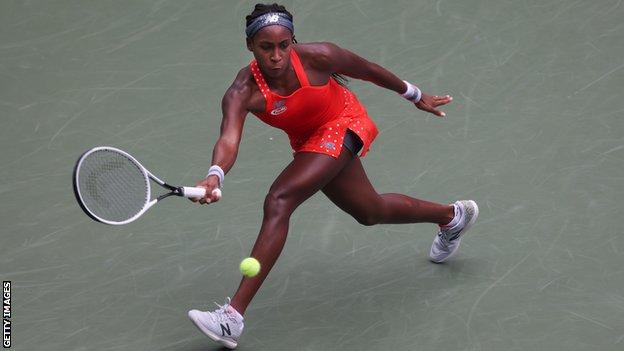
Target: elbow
(228, 145)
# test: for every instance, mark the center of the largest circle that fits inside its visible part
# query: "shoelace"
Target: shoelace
(447, 236)
(221, 314)
(443, 239)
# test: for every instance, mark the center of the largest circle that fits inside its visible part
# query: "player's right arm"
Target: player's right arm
(234, 106)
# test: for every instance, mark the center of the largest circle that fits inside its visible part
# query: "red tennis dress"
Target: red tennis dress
(315, 118)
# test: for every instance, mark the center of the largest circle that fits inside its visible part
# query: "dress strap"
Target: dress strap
(301, 75)
(262, 85)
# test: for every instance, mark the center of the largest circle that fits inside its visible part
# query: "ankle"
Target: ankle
(449, 216)
(237, 309)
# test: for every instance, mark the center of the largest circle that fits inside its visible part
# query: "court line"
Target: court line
(590, 320)
(476, 303)
(613, 149)
(601, 78)
(69, 120)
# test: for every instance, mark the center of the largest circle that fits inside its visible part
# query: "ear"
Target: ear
(249, 44)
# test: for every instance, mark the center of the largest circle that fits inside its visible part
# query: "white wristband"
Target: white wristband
(216, 170)
(412, 93)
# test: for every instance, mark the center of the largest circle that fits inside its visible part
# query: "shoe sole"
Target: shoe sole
(227, 343)
(466, 228)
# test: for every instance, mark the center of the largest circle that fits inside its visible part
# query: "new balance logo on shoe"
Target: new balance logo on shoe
(225, 329)
(223, 325)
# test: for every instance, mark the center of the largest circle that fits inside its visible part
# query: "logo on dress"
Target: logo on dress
(328, 145)
(279, 107)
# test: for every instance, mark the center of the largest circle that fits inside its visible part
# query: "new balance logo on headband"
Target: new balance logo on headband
(279, 107)
(272, 19)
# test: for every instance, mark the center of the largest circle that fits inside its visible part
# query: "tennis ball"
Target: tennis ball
(250, 267)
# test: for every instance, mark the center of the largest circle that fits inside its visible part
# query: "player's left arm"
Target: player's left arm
(342, 61)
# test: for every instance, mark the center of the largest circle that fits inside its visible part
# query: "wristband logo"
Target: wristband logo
(279, 107)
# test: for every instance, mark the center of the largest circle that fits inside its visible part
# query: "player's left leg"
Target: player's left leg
(352, 192)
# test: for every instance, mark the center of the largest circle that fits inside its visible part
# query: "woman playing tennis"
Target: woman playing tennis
(297, 88)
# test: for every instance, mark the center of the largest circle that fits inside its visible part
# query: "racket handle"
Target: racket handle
(190, 192)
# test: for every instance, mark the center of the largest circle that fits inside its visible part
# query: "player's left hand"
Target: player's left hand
(430, 103)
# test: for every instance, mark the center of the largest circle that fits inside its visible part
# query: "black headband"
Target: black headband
(269, 19)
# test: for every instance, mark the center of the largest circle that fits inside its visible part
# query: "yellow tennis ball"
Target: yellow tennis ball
(250, 267)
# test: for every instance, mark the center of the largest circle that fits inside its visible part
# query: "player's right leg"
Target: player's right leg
(304, 176)
(308, 173)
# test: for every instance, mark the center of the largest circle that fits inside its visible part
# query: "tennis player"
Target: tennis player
(299, 88)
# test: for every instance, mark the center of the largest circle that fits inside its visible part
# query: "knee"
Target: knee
(278, 203)
(368, 219)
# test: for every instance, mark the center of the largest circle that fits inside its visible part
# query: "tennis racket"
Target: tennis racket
(112, 187)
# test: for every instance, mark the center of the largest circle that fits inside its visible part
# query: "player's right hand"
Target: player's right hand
(211, 183)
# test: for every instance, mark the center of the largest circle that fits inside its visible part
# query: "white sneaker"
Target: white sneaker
(224, 325)
(446, 243)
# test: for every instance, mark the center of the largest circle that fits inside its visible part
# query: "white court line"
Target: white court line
(599, 79)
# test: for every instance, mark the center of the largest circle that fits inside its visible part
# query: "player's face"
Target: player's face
(271, 47)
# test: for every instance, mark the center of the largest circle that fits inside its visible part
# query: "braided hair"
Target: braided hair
(261, 9)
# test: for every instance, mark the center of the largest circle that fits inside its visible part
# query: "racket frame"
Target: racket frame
(173, 190)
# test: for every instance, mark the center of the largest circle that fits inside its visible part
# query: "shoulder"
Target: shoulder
(319, 55)
(242, 87)
(243, 92)
(242, 84)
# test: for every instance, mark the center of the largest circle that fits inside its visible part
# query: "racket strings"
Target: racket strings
(112, 186)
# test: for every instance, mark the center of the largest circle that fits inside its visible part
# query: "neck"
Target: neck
(283, 80)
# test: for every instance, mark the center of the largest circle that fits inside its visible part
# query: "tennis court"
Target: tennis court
(535, 135)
